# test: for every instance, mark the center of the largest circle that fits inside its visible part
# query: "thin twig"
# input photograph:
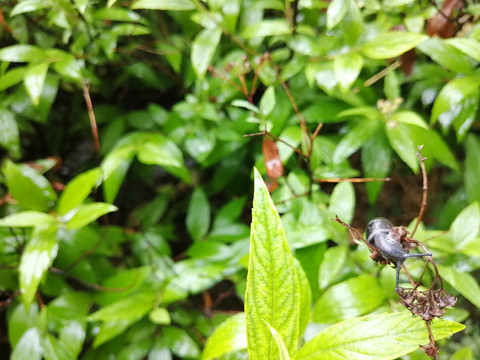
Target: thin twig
(424, 189)
(91, 116)
(382, 73)
(353, 180)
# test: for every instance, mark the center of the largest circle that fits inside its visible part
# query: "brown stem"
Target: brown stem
(91, 116)
(424, 189)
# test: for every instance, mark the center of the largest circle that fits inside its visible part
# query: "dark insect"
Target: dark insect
(382, 236)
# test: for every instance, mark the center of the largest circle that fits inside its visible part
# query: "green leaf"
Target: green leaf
(203, 48)
(34, 81)
(86, 213)
(180, 343)
(28, 187)
(448, 103)
(472, 168)
(332, 265)
(463, 282)
(157, 149)
(29, 347)
(466, 226)
(160, 316)
(228, 337)
(272, 292)
(392, 44)
(246, 105)
(27, 219)
(22, 53)
(334, 305)
(198, 215)
(342, 201)
(77, 190)
(178, 5)
(267, 102)
(336, 12)
(468, 46)
(28, 6)
(347, 67)
(355, 138)
(374, 337)
(282, 349)
(400, 138)
(446, 55)
(9, 136)
(37, 257)
(266, 28)
(305, 297)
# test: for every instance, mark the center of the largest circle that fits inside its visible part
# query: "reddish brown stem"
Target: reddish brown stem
(91, 116)
(424, 189)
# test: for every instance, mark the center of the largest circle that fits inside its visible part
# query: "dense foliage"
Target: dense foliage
(127, 181)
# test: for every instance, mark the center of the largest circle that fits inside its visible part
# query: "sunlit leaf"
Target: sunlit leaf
(34, 81)
(388, 45)
(336, 11)
(86, 213)
(463, 282)
(164, 4)
(27, 219)
(203, 48)
(272, 285)
(229, 336)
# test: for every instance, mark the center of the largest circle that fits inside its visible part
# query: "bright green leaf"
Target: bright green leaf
(266, 28)
(27, 219)
(77, 190)
(472, 168)
(180, 342)
(282, 349)
(466, 226)
(401, 141)
(449, 100)
(198, 215)
(29, 347)
(342, 201)
(267, 102)
(446, 55)
(164, 5)
(347, 67)
(130, 308)
(336, 12)
(9, 136)
(228, 337)
(86, 213)
(374, 337)
(468, 46)
(245, 104)
(203, 48)
(364, 295)
(392, 44)
(28, 6)
(28, 187)
(34, 81)
(160, 316)
(22, 53)
(38, 255)
(272, 285)
(463, 282)
(332, 265)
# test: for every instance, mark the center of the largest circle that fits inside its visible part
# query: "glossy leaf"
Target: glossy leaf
(272, 286)
(336, 12)
(203, 49)
(388, 45)
(374, 337)
(266, 28)
(9, 136)
(180, 343)
(84, 214)
(472, 168)
(38, 255)
(449, 100)
(401, 141)
(28, 187)
(22, 53)
(178, 5)
(446, 55)
(157, 149)
(29, 347)
(463, 282)
(267, 102)
(198, 215)
(228, 337)
(342, 201)
(353, 297)
(28, 6)
(77, 190)
(355, 138)
(468, 46)
(347, 67)
(27, 219)
(466, 226)
(34, 81)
